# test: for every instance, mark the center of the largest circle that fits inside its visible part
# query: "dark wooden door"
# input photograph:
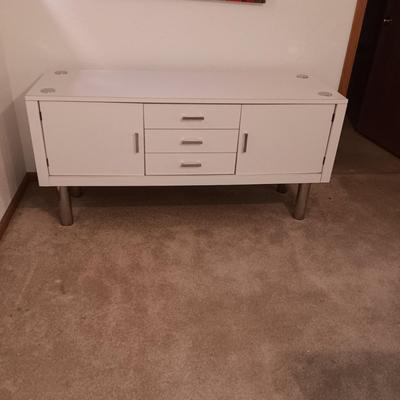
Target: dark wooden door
(380, 113)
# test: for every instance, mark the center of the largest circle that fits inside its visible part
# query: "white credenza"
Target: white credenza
(146, 128)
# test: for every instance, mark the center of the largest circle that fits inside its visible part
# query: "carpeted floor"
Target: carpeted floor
(207, 293)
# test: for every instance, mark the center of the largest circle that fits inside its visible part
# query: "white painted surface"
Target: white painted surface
(191, 141)
(227, 86)
(307, 36)
(333, 143)
(283, 138)
(181, 180)
(12, 166)
(107, 139)
(191, 164)
(190, 116)
(39, 148)
(93, 138)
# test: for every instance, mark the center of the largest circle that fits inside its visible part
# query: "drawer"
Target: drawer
(191, 116)
(190, 141)
(191, 164)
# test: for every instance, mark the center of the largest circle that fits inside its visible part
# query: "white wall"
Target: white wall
(308, 35)
(12, 166)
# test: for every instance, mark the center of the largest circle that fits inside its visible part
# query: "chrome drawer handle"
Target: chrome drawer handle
(192, 141)
(191, 165)
(246, 139)
(193, 118)
(137, 143)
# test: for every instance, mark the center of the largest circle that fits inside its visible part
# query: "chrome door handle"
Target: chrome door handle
(192, 118)
(137, 149)
(245, 142)
(387, 21)
(191, 165)
(191, 141)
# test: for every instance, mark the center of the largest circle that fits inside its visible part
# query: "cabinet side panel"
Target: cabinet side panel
(333, 142)
(39, 149)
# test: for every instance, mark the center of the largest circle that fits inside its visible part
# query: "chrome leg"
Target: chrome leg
(65, 207)
(281, 189)
(301, 201)
(75, 191)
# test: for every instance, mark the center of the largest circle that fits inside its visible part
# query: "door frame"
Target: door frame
(358, 20)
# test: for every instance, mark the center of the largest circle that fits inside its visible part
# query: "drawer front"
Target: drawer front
(191, 116)
(190, 164)
(190, 141)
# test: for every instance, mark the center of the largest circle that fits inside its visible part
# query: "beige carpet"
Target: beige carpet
(205, 293)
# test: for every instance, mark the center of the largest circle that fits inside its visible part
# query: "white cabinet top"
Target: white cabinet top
(176, 86)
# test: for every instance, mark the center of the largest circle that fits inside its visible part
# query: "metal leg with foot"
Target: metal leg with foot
(75, 191)
(65, 207)
(301, 201)
(281, 189)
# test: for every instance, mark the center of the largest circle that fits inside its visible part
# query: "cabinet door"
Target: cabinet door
(283, 139)
(84, 138)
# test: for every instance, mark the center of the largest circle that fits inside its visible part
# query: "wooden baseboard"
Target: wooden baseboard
(5, 220)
